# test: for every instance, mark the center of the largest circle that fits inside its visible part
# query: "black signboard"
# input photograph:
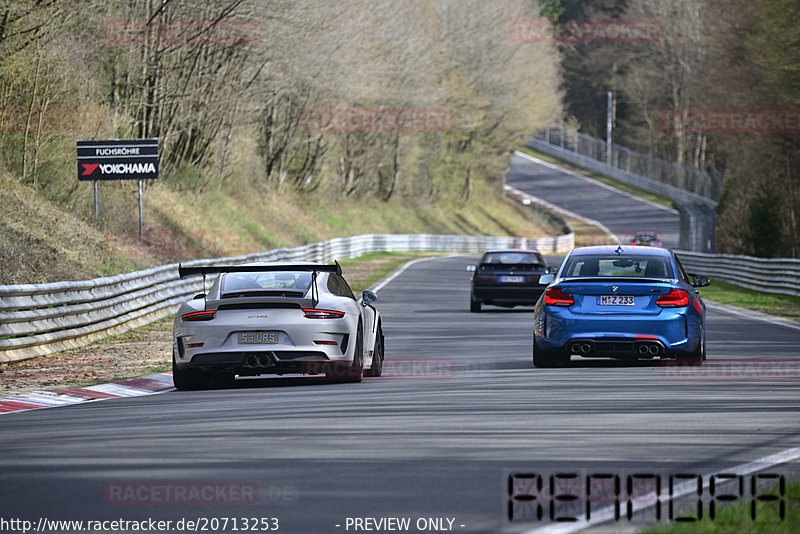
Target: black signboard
(118, 159)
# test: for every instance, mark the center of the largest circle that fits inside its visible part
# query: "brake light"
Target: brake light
(676, 298)
(485, 278)
(312, 313)
(556, 297)
(199, 316)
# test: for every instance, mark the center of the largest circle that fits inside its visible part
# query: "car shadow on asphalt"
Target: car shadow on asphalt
(611, 363)
(284, 381)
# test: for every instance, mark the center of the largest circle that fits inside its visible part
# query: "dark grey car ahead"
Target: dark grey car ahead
(507, 278)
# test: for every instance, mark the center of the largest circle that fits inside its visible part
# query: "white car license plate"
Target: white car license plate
(512, 279)
(257, 338)
(615, 300)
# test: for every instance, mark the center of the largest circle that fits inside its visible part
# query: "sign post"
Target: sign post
(119, 159)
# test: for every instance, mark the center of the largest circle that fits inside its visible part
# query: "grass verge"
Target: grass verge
(738, 517)
(786, 306)
(180, 225)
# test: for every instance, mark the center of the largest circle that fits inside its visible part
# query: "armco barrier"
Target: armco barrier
(37, 319)
(780, 275)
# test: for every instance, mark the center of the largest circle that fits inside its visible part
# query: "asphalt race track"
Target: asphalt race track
(459, 410)
(622, 213)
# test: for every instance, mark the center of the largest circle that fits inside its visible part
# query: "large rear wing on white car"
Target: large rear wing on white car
(313, 268)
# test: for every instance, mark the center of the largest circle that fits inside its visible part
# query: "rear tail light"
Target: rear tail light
(325, 343)
(198, 316)
(485, 278)
(677, 298)
(556, 297)
(313, 313)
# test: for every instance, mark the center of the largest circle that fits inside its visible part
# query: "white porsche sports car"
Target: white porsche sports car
(275, 318)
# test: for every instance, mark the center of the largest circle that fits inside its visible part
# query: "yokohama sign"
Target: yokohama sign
(134, 159)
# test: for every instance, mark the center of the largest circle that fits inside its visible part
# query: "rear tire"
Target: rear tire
(546, 359)
(376, 369)
(356, 372)
(697, 357)
(189, 379)
(474, 306)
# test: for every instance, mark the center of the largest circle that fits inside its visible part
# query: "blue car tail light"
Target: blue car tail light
(676, 298)
(556, 297)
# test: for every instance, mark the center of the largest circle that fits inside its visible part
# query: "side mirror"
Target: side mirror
(699, 280)
(368, 296)
(546, 279)
(472, 268)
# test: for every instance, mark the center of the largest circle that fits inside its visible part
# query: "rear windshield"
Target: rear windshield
(500, 260)
(297, 281)
(613, 266)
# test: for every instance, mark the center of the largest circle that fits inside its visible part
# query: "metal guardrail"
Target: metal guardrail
(780, 275)
(38, 319)
(653, 175)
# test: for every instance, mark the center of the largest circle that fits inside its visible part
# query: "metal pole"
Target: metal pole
(141, 224)
(608, 131)
(96, 210)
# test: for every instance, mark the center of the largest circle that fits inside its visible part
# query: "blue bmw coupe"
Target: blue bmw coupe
(620, 302)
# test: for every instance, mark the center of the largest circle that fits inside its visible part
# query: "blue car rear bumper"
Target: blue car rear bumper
(676, 331)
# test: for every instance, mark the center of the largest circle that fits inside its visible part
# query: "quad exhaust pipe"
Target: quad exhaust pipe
(581, 348)
(649, 349)
(645, 349)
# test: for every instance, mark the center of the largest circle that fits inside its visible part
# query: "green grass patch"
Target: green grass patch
(726, 293)
(599, 177)
(737, 518)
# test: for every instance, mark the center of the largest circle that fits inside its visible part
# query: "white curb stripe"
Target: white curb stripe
(52, 399)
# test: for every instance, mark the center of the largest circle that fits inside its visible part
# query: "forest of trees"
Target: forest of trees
(226, 81)
(735, 55)
(216, 78)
